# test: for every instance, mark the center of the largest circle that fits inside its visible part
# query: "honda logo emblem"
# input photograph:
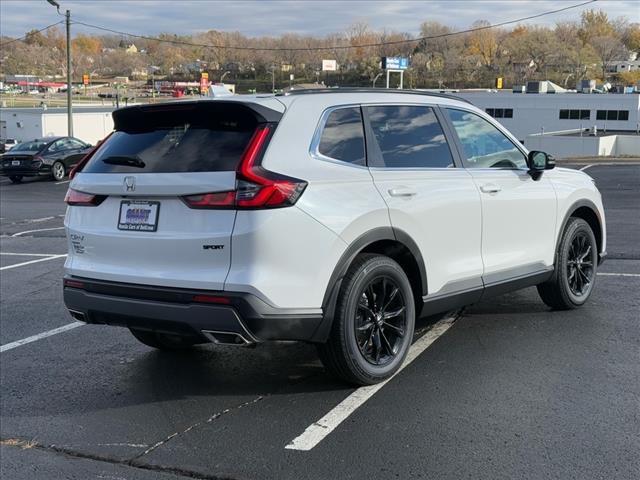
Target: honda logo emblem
(129, 184)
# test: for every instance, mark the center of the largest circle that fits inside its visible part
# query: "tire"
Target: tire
(58, 171)
(576, 266)
(163, 341)
(364, 348)
(15, 178)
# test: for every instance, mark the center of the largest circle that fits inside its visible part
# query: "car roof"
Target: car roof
(45, 139)
(377, 91)
(345, 96)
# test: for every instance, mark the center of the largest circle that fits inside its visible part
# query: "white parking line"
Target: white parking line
(36, 220)
(40, 336)
(16, 265)
(30, 254)
(19, 234)
(608, 164)
(606, 274)
(64, 181)
(317, 431)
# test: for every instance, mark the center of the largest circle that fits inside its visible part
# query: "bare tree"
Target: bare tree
(608, 49)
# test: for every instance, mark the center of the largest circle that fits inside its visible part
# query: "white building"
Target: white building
(530, 113)
(574, 144)
(90, 124)
(624, 66)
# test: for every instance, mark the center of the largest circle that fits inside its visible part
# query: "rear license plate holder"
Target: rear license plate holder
(138, 215)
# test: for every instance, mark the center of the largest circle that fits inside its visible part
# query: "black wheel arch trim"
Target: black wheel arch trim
(357, 246)
(570, 213)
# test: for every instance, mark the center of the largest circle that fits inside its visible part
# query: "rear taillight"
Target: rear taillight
(82, 199)
(256, 187)
(83, 161)
(211, 200)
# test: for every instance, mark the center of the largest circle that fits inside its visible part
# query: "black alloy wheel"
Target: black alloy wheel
(580, 264)
(373, 322)
(381, 321)
(576, 266)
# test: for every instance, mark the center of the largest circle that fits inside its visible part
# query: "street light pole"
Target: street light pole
(375, 79)
(69, 98)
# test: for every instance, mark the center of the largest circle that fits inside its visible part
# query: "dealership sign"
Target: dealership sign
(395, 63)
(329, 65)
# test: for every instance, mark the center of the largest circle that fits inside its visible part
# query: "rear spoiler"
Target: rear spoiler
(137, 115)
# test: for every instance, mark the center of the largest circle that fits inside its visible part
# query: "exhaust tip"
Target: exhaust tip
(78, 315)
(227, 338)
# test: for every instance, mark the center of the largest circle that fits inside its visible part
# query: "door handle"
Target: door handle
(490, 188)
(402, 192)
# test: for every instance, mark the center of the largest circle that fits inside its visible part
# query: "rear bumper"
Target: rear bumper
(25, 172)
(173, 310)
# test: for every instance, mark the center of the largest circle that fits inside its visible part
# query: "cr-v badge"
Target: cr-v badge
(129, 184)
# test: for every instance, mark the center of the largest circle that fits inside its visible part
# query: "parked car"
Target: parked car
(49, 156)
(335, 217)
(7, 144)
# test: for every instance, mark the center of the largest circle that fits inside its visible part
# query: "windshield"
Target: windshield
(34, 146)
(176, 140)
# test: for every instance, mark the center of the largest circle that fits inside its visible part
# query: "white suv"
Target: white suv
(335, 217)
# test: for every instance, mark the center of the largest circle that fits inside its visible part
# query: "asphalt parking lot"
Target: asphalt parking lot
(506, 389)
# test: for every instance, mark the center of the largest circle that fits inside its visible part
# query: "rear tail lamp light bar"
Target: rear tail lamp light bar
(256, 187)
(82, 199)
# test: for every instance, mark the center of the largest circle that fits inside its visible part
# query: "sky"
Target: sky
(273, 18)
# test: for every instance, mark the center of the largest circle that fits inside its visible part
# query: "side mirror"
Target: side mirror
(539, 162)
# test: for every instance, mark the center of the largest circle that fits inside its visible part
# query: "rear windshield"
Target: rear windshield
(34, 146)
(175, 139)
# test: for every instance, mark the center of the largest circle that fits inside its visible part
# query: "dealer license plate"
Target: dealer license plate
(138, 215)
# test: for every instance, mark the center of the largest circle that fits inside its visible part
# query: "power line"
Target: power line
(338, 47)
(26, 35)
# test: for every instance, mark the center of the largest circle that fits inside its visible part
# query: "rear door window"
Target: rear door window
(408, 136)
(343, 136)
(176, 139)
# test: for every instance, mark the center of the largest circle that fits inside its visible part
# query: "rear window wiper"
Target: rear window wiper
(132, 161)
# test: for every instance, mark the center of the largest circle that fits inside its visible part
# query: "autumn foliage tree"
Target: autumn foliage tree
(564, 53)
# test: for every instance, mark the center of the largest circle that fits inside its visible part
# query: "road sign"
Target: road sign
(204, 83)
(395, 63)
(329, 65)
(85, 79)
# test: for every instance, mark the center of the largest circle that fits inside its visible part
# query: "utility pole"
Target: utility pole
(69, 98)
(69, 93)
(273, 79)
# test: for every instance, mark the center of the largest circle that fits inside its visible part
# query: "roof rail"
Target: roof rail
(312, 91)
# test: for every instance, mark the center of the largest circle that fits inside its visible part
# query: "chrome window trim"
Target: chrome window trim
(314, 151)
